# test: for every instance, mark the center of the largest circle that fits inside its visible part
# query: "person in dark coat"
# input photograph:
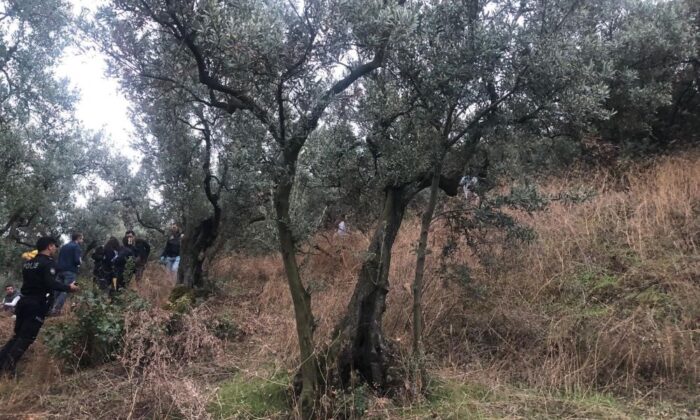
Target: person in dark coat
(142, 249)
(68, 265)
(124, 264)
(39, 283)
(171, 254)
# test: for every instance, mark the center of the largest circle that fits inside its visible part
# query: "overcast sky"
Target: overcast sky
(101, 105)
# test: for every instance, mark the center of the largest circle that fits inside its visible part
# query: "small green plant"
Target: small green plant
(181, 300)
(224, 328)
(129, 269)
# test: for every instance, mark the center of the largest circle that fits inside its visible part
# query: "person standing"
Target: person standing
(69, 261)
(142, 249)
(39, 281)
(171, 254)
(123, 264)
(108, 280)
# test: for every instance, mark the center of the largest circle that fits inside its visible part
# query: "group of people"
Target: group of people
(112, 270)
(116, 263)
(46, 282)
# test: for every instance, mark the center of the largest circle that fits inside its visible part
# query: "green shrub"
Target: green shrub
(224, 328)
(94, 335)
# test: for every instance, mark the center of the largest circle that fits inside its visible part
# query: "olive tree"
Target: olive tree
(282, 63)
(44, 152)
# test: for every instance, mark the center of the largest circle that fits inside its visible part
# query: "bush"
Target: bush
(94, 336)
(224, 328)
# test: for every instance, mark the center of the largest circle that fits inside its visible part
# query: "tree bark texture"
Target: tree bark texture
(199, 239)
(195, 243)
(360, 344)
(301, 300)
(421, 252)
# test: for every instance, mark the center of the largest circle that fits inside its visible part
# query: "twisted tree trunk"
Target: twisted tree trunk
(361, 345)
(195, 243)
(201, 237)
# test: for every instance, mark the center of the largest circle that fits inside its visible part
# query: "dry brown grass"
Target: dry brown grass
(606, 297)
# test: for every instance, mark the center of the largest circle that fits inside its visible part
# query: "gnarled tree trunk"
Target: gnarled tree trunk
(195, 243)
(201, 237)
(360, 344)
(301, 300)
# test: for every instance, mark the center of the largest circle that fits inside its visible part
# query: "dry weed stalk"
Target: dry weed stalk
(157, 354)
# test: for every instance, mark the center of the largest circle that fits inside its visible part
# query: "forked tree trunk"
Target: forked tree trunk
(360, 343)
(199, 239)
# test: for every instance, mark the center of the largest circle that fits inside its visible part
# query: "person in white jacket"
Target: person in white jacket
(11, 298)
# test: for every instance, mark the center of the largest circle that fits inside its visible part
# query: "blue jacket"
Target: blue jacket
(69, 257)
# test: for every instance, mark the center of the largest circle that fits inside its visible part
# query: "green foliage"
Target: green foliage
(650, 44)
(224, 328)
(252, 397)
(181, 299)
(470, 399)
(600, 287)
(44, 150)
(653, 297)
(354, 403)
(94, 335)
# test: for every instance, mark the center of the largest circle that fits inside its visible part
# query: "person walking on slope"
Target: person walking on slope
(39, 281)
(171, 254)
(123, 264)
(69, 261)
(107, 278)
(142, 249)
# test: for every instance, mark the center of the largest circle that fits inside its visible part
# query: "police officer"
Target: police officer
(39, 275)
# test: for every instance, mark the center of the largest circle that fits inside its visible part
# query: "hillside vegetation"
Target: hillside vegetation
(597, 317)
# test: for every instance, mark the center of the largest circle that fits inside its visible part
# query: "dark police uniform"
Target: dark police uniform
(39, 276)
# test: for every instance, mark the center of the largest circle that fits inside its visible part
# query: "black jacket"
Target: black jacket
(107, 264)
(142, 249)
(39, 278)
(172, 247)
(119, 262)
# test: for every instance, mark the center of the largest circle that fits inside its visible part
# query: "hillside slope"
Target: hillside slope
(598, 317)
